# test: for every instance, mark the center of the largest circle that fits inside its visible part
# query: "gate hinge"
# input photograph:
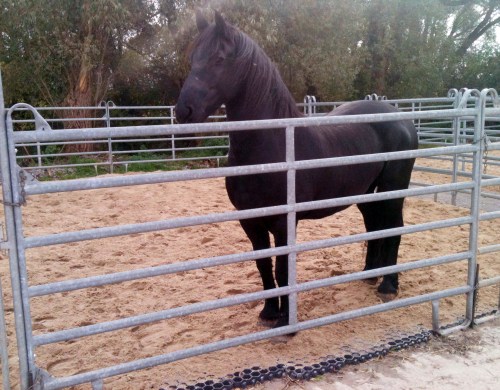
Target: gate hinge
(40, 378)
(4, 244)
(23, 177)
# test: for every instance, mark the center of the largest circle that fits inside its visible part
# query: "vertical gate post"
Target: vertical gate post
(453, 93)
(4, 346)
(107, 117)
(478, 140)
(4, 352)
(291, 224)
(172, 116)
(10, 203)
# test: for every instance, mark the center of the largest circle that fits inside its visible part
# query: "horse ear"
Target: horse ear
(201, 22)
(220, 24)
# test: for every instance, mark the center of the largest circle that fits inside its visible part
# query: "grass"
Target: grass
(142, 161)
(91, 167)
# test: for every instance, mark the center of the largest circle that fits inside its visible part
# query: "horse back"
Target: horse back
(394, 135)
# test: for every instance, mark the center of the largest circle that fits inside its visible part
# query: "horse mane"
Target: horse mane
(264, 84)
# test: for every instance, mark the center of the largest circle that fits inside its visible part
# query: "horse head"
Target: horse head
(212, 80)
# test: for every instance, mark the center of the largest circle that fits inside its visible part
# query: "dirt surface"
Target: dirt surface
(54, 213)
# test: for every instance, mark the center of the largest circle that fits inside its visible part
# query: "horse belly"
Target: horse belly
(321, 213)
(337, 182)
(254, 191)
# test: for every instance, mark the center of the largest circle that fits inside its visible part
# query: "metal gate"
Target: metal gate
(471, 105)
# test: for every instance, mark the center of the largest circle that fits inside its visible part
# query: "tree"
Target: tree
(472, 21)
(314, 43)
(61, 52)
(421, 48)
(68, 50)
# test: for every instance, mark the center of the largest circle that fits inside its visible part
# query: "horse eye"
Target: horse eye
(219, 60)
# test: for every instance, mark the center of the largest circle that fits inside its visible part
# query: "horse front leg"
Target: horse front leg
(282, 279)
(259, 237)
(281, 273)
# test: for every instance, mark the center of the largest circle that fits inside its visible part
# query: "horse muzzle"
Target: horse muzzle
(183, 113)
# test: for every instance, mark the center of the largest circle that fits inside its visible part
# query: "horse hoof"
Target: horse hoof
(269, 315)
(371, 281)
(267, 322)
(387, 297)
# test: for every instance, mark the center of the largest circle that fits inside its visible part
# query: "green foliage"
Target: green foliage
(61, 52)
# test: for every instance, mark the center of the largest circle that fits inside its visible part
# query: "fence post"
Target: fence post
(478, 140)
(9, 204)
(107, 118)
(4, 173)
(4, 345)
(172, 136)
(291, 224)
(453, 93)
(313, 105)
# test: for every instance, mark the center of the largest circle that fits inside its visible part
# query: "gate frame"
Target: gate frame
(15, 189)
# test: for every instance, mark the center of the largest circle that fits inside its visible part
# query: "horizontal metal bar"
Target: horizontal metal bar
(489, 216)
(124, 162)
(253, 337)
(124, 276)
(169, 150)
(489, 282)
(489, 249)
(140, 118)
(70, 334)
(129, 131)
(482, 320)
(490, 182)
(59, 108)
(100, 280)
(79, 154)
(146, 227)
(114, 231)
(366, 198)
(345, 240)
(459, 173)
(111, 108)
(60, 120)
(163, 177)
(31, 144)
(169, 139)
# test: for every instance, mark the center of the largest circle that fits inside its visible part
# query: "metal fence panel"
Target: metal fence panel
(16, 188)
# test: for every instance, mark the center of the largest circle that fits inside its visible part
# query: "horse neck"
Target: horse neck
(273, 101)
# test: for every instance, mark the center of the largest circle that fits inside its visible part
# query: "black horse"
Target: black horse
(227, 67)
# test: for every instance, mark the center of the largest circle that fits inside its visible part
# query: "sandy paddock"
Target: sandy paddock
(54, 213)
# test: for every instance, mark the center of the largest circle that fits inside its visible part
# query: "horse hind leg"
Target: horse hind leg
(259, 236)
(383, 252)
(395, 176)
(370, 217)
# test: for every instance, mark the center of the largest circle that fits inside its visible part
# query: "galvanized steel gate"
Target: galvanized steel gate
(472, 105)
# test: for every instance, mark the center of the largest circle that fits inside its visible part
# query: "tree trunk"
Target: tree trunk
(80, 93)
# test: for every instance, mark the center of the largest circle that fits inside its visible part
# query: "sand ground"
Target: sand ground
(54, 213)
